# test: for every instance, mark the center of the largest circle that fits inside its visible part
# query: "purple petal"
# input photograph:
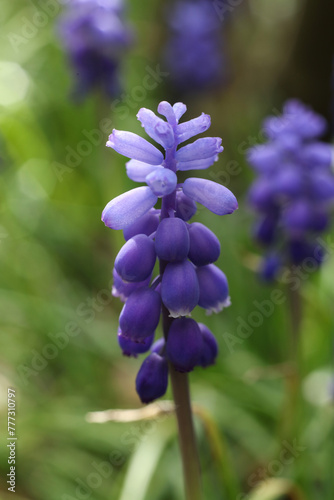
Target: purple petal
(200, 149)
(134, 146)
(128, 207)
(137, 170)
(155, 127)
(197, 164)
(193, 127)
(179, 109)
(162, 181)
(212, 195)
(167, 111)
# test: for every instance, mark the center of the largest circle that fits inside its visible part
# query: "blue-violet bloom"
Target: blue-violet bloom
(95, 36)
(187, 276)
(293, 193)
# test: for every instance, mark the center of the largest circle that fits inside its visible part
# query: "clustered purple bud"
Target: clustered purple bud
(95, 36)
(194, 53)
(294, 189)
(186, 251)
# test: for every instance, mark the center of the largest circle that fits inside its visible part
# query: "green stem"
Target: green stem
(187, 440)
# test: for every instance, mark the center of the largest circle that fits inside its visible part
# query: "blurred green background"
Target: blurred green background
(58, 320)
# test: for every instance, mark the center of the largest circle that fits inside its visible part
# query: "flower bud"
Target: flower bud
(185, 206)
(270, 265)
(209, 347)
(213, 288)
(146, 224)
(179, 288)
(184, 344)
(135, 260)
(122, 289)
(140, 314)
(133, 348)
(204, 245)
(158, 346)
(172, 240)
(152, 378)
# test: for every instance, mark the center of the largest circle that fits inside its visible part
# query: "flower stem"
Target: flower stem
(187, 440)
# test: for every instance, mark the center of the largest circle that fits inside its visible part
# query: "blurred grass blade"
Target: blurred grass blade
(143, 465)
(276, 489)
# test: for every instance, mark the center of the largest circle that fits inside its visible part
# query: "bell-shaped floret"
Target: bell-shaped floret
(152, 378)
(204, 245)
(184, 344)
(213, 288)
(133, 348)
(185, 206)
(140, 314)
(158, 346)
(135, 260)
(297, 218)
(214, 196)
(209, 347)
(270, 266)
(135, 147)
(172, 240)
(162, 181)
(156, 128)
(265, 229)
(147, 224)
(179, 288)
(123, 289)
(126, 208)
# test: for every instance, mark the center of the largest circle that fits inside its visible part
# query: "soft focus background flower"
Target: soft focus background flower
(195, 52)
(59, 321)
(293, 192)
(95, 35)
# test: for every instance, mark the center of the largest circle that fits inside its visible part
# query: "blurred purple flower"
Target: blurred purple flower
(185, 251)
(294, 190)
(95, 36)
(194, 53)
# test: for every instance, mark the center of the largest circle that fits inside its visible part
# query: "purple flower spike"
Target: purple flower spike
(131, 348)
(184, 344)
(294, 191)
(128, 207)
(214, 196)
(147, 224)
(213, 288)
(140, 314)
(123, 290)
(204, 245)
(136, 259)
(179, 246)
(152, 378)
(172, 249)
(209, 347)
(179, 288)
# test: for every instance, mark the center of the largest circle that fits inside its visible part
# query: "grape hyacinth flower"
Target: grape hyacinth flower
(294, 189)
(95, 35)
(186, 251)
(194, 52)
